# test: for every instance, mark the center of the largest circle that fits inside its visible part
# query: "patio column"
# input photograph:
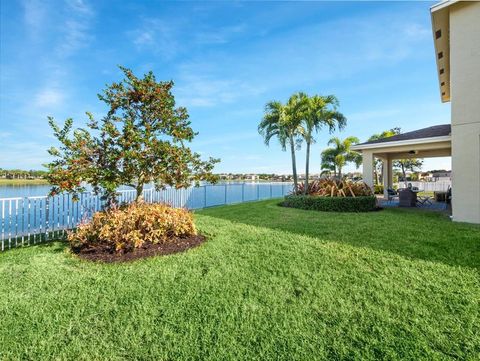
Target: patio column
(368, 162)
(387, 175)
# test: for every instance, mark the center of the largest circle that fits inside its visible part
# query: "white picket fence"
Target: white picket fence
(30, 220)
(440, 186)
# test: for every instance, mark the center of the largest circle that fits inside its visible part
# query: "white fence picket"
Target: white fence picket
(36, 219)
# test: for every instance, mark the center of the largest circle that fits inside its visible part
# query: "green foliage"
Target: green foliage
(336, 157)
(411, 164)
(321, 111)
(297, 121)
(125, 228)
(141, 140)
(282, 121)
(397, 284)
(331, 204)
(22, 174)
(378, 188)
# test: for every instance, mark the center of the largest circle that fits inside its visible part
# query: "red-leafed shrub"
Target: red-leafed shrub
(335, 188)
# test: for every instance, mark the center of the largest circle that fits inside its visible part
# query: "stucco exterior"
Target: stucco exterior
(464, 44)
(456, 36)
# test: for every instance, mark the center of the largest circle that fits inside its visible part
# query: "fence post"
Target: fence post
(47, 216)
(205, 196)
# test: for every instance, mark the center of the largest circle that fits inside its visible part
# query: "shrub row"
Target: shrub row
(331, 204)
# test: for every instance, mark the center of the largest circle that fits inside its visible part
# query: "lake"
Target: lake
(26, 215)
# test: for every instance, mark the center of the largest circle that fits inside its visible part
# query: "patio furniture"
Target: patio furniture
(407, 198)
(392, 194)
(423, 201)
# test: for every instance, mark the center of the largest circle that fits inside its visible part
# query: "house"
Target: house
(441, 176)
(456, 36)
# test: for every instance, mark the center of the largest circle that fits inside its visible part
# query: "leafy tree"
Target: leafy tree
(405, 165)
(141, 140)
(336, 157)
(321, 111)
(282, 121)
(378, 164)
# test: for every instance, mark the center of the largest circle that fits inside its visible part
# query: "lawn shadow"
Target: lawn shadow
(414, 234)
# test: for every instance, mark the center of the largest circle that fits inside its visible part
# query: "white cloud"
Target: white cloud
(220, 35)
(75, 37)
(203, 85)
(48, 97)
(225, 139)
(158, 36)
(34, 15)
(75, 28)
(80, 6)
(5, 134)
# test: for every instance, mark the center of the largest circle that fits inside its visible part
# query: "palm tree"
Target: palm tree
(336, 157)
(321, 111)
(279, 121)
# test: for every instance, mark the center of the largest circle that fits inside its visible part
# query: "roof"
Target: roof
(442, 130)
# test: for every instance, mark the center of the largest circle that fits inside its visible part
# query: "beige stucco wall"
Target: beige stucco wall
(465, 101)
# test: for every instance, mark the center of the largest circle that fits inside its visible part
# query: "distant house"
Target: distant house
(456, 36)
(441, 176)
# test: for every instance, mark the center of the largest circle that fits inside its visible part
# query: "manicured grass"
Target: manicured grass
(270, 283)
(14, 182)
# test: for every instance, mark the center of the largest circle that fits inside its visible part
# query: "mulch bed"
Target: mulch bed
(147, 250)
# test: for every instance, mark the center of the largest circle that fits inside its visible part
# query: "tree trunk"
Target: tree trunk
(340, 173)
(404, 172)
(294, 164)
(307, 166)
(139, 190)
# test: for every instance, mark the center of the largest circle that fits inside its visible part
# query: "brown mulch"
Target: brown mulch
(175, 245)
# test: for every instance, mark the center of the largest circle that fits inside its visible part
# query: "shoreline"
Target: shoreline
(15, 182)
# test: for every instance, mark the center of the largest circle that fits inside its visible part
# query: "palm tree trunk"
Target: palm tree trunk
(339, 172)
(294, 164)
(307, 166)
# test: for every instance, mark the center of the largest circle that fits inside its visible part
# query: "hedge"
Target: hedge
(331, 204)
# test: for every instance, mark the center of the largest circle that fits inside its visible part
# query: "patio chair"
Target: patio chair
(392, 194)
(423, 201)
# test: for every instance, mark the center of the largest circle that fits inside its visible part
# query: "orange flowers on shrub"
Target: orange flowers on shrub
(128, 227)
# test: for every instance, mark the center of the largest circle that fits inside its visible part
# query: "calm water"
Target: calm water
(10, 191)
(25, 220)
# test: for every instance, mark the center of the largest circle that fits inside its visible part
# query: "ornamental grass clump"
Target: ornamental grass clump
(123, 229)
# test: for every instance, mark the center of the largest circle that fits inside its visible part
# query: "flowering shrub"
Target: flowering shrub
(125, 228)
(335, 188)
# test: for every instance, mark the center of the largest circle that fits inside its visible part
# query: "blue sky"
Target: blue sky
(227, 60)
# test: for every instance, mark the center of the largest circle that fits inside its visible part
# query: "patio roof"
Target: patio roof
(433, 141)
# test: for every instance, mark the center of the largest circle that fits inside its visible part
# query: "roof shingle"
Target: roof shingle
(430, 132)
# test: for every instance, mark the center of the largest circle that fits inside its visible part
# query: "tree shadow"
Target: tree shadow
(410, 233)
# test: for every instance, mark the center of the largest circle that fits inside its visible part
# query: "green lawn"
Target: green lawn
(270, 283)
